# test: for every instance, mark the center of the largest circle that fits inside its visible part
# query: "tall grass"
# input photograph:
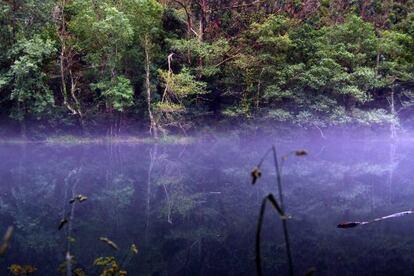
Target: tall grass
(279, 207)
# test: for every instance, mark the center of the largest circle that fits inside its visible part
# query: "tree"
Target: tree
(176, 64)
(27, 79)
(264, 62)
(145, 16)
(179, 93)
(394, 65)
(343, 70)
(104, 31)
(68, 59)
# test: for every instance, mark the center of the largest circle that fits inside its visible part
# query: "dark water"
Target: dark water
(191, 209)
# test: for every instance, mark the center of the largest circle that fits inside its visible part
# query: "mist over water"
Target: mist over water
(191, 208)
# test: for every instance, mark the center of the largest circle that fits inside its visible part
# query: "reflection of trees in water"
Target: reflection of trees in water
(111, 186)
(204, 192)
(357, 183)
(165, 173)
(29, 205)
(393, 164)
(184, 213)
(152, 159)
(107, 179)
(71, 182)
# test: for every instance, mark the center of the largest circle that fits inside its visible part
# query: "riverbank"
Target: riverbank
(269, 132)
(73, 140)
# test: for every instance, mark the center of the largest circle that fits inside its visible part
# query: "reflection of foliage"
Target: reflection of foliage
(211, 231)
(169, 180)
(117, 196)
(37, 236)
(184, 204)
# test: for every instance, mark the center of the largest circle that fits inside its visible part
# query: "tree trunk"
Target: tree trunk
(153, 125)
(66, 57)
(77, 108)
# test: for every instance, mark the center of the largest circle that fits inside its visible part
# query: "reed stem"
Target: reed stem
(282, 215)
(284, 221)
(278, 178)
(280, 209)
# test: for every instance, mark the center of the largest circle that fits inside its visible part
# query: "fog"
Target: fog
(191, 208)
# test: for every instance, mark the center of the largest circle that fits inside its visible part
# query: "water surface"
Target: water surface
(192, 210)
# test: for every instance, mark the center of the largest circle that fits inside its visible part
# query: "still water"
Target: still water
(191, 209)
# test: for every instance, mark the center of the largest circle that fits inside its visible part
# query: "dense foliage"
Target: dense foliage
(174, 65)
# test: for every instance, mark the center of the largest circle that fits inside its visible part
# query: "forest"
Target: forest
(173, 66)
(206, 137)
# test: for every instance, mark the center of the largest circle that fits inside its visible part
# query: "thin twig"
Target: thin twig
(281, 210)
(258, 237)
